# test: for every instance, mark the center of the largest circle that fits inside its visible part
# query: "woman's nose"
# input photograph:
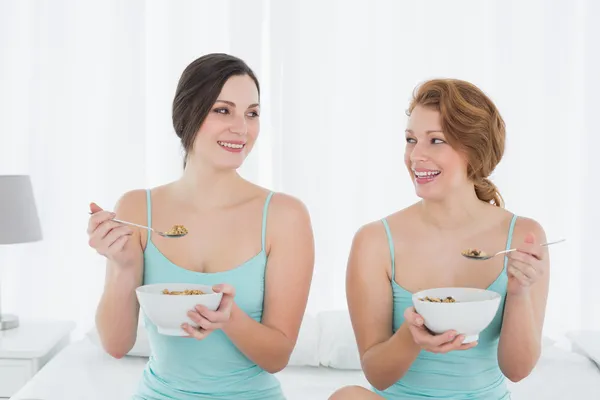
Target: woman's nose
(419, 153)
(239, 126)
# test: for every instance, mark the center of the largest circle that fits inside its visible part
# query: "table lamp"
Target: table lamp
(19, 223)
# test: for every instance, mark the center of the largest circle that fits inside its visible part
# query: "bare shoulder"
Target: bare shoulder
(374, 234)
(132, 205)
(370, 245)
(403, 225)
(285, 209)
(525, 225)
(371, 239)
(288, 222)
(404, 220)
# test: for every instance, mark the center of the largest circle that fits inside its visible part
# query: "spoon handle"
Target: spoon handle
(543, 244)
(132, 224)
(505, 251)
(549, 243)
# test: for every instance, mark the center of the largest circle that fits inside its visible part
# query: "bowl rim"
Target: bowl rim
(165, 285)
(495, 295)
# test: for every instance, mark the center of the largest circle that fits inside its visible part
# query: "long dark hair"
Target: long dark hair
(198, 90)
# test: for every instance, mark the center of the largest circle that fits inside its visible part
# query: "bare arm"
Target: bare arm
(288, 276)
(118, 309)
(521, 335)
(385, 357)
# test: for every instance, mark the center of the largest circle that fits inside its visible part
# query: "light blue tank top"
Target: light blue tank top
(213, 368)
(458, 375)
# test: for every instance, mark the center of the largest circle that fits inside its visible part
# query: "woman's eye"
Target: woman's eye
(437, 141)
(253, 114)
(223, 111)
(410, 140)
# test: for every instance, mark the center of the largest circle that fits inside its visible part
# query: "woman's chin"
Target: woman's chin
(228, 165)
(429, 193)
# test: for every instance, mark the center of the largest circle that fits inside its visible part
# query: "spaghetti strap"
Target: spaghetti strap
(149, 211)
(509, 239)
(391, 245)
(264, 220)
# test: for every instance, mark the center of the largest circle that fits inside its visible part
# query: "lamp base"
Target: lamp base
(8, 321)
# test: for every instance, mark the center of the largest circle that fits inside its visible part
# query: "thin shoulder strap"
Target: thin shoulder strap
(264, 220)
(391, 245)
(510, 236)
(149, 210)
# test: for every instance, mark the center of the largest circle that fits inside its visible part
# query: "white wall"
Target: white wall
(85, 109)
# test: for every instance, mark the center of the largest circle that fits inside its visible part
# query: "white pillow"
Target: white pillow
(586, 343)
(547, 342)
(305, 352)
(338, 348)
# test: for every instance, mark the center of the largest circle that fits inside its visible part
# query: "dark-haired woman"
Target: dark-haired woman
(254, 246)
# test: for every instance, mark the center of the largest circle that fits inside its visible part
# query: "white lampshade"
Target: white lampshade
(19, 222)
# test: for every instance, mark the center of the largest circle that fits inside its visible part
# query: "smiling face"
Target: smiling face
(435, 167)
(231, 127)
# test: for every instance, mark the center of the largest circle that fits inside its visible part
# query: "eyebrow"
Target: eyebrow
(232, 104)
(427, 132)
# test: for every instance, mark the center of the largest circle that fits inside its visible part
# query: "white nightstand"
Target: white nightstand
(26, 349)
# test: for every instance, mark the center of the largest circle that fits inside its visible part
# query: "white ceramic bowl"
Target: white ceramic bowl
(168, 312)
(472, 312)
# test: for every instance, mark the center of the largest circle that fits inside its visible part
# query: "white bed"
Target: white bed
(82, 371)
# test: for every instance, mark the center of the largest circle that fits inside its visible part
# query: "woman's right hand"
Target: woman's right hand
(442, 343)
(109, 238)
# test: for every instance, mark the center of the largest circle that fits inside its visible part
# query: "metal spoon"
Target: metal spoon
(163, 234)
(483, 256)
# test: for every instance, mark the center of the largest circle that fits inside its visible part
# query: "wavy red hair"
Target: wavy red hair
(472, 125)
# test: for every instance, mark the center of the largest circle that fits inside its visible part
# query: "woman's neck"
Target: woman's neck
(207, 187)
(455, 211)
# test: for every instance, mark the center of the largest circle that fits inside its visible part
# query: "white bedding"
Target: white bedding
(82, 371)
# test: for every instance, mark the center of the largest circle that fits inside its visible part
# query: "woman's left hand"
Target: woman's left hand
(525, 266)
(209, 321)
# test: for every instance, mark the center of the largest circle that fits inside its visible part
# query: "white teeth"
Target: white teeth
(231, 145)
(426, 173)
